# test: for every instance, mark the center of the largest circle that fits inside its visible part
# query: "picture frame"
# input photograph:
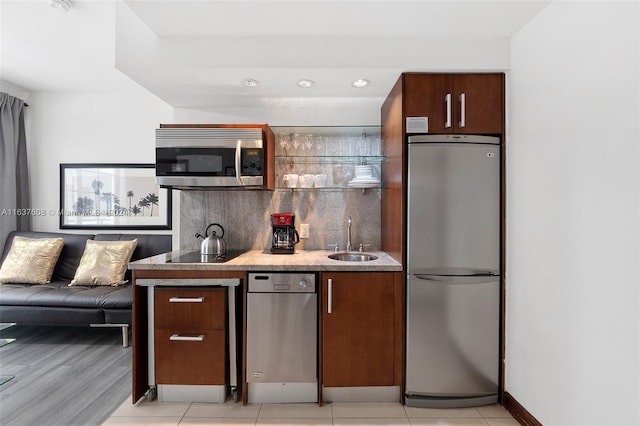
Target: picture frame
(112, 196)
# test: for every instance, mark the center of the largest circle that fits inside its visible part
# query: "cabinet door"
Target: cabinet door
(479, 103)
(358, 329)
(425, 95)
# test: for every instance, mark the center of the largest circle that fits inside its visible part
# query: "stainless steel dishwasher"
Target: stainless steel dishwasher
(282, 324)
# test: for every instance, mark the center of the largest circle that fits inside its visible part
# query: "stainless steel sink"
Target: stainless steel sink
(353, 257)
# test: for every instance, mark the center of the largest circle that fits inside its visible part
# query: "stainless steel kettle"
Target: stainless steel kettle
(213, 244)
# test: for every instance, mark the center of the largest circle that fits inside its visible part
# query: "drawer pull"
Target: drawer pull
(186, 299)
(177, 337)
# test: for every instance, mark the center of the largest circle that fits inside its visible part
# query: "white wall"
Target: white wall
(86, 128)
(315, 112)
(573, 215)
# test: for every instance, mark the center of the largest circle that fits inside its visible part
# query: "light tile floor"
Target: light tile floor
(338, 414)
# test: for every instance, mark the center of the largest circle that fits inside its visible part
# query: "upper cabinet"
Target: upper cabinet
(327, 157)
(455, 103)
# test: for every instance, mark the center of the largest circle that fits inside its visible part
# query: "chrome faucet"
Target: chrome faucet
(349, 246)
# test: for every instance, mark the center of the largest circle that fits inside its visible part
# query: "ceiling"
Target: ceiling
(194, 54)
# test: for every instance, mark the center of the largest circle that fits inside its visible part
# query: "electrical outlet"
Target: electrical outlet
(304, 230)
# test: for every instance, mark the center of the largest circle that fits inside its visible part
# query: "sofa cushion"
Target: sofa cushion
(31, 260)
(104, 263)
(59, 294)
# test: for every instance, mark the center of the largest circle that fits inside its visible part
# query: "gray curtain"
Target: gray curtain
(14, 178)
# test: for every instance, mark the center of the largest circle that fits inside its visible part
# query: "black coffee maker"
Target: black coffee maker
(285, 236)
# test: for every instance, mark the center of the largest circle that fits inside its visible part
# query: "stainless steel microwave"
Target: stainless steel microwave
(210, 157)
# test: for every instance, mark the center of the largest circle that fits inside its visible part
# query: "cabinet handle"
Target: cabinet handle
(463, 109)
(186, 299)
(177, 337)
(447, 101)
(329, 291)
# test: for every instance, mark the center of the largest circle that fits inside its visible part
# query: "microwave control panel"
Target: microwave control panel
(251, 161)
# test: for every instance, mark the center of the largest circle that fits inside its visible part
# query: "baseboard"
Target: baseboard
(518, 411)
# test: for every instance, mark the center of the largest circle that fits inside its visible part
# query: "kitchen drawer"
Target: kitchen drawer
(190, 308)
(194, 357)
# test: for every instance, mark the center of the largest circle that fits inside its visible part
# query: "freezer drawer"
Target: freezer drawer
(452, 336)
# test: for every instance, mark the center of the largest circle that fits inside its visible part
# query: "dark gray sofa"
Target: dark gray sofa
(58, 304)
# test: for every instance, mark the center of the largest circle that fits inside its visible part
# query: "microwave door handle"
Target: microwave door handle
(238, 153)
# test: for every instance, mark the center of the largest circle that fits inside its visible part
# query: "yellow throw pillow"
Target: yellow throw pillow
(104, 262)
(31, 260)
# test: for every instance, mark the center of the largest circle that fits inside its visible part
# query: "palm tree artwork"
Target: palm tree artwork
(153, 200)
(107, 197)
(104, 196)
(143, 203)
(130, 197)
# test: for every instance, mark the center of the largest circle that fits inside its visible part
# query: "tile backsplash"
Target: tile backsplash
(246, 215)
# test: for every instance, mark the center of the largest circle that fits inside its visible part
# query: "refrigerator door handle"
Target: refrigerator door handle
(459, 279)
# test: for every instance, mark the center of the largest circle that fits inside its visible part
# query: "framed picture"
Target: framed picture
(112, 196)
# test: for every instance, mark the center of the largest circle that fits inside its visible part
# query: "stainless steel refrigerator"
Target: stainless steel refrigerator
(453, 270)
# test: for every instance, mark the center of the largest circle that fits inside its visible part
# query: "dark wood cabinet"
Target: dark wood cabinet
(190, 336)
(425, 96)
(192, 359)
(361, 329)
(456, 103)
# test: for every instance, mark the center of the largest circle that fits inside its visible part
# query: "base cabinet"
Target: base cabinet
(190, 336)
(361, 329)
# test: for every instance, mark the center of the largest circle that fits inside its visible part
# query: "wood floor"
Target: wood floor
(63, 375)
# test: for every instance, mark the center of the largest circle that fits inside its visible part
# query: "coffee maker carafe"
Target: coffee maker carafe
(285, 236)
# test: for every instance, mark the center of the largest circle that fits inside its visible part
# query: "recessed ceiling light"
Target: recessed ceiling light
(305, 83)
(61, 4)
(361, 82)
(249, 82)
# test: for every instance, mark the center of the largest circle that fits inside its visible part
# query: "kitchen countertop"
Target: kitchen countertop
(263, 260)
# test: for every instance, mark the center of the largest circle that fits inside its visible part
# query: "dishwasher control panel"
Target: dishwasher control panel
(277, 282)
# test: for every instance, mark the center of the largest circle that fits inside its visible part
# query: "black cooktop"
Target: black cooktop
(196, 257)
